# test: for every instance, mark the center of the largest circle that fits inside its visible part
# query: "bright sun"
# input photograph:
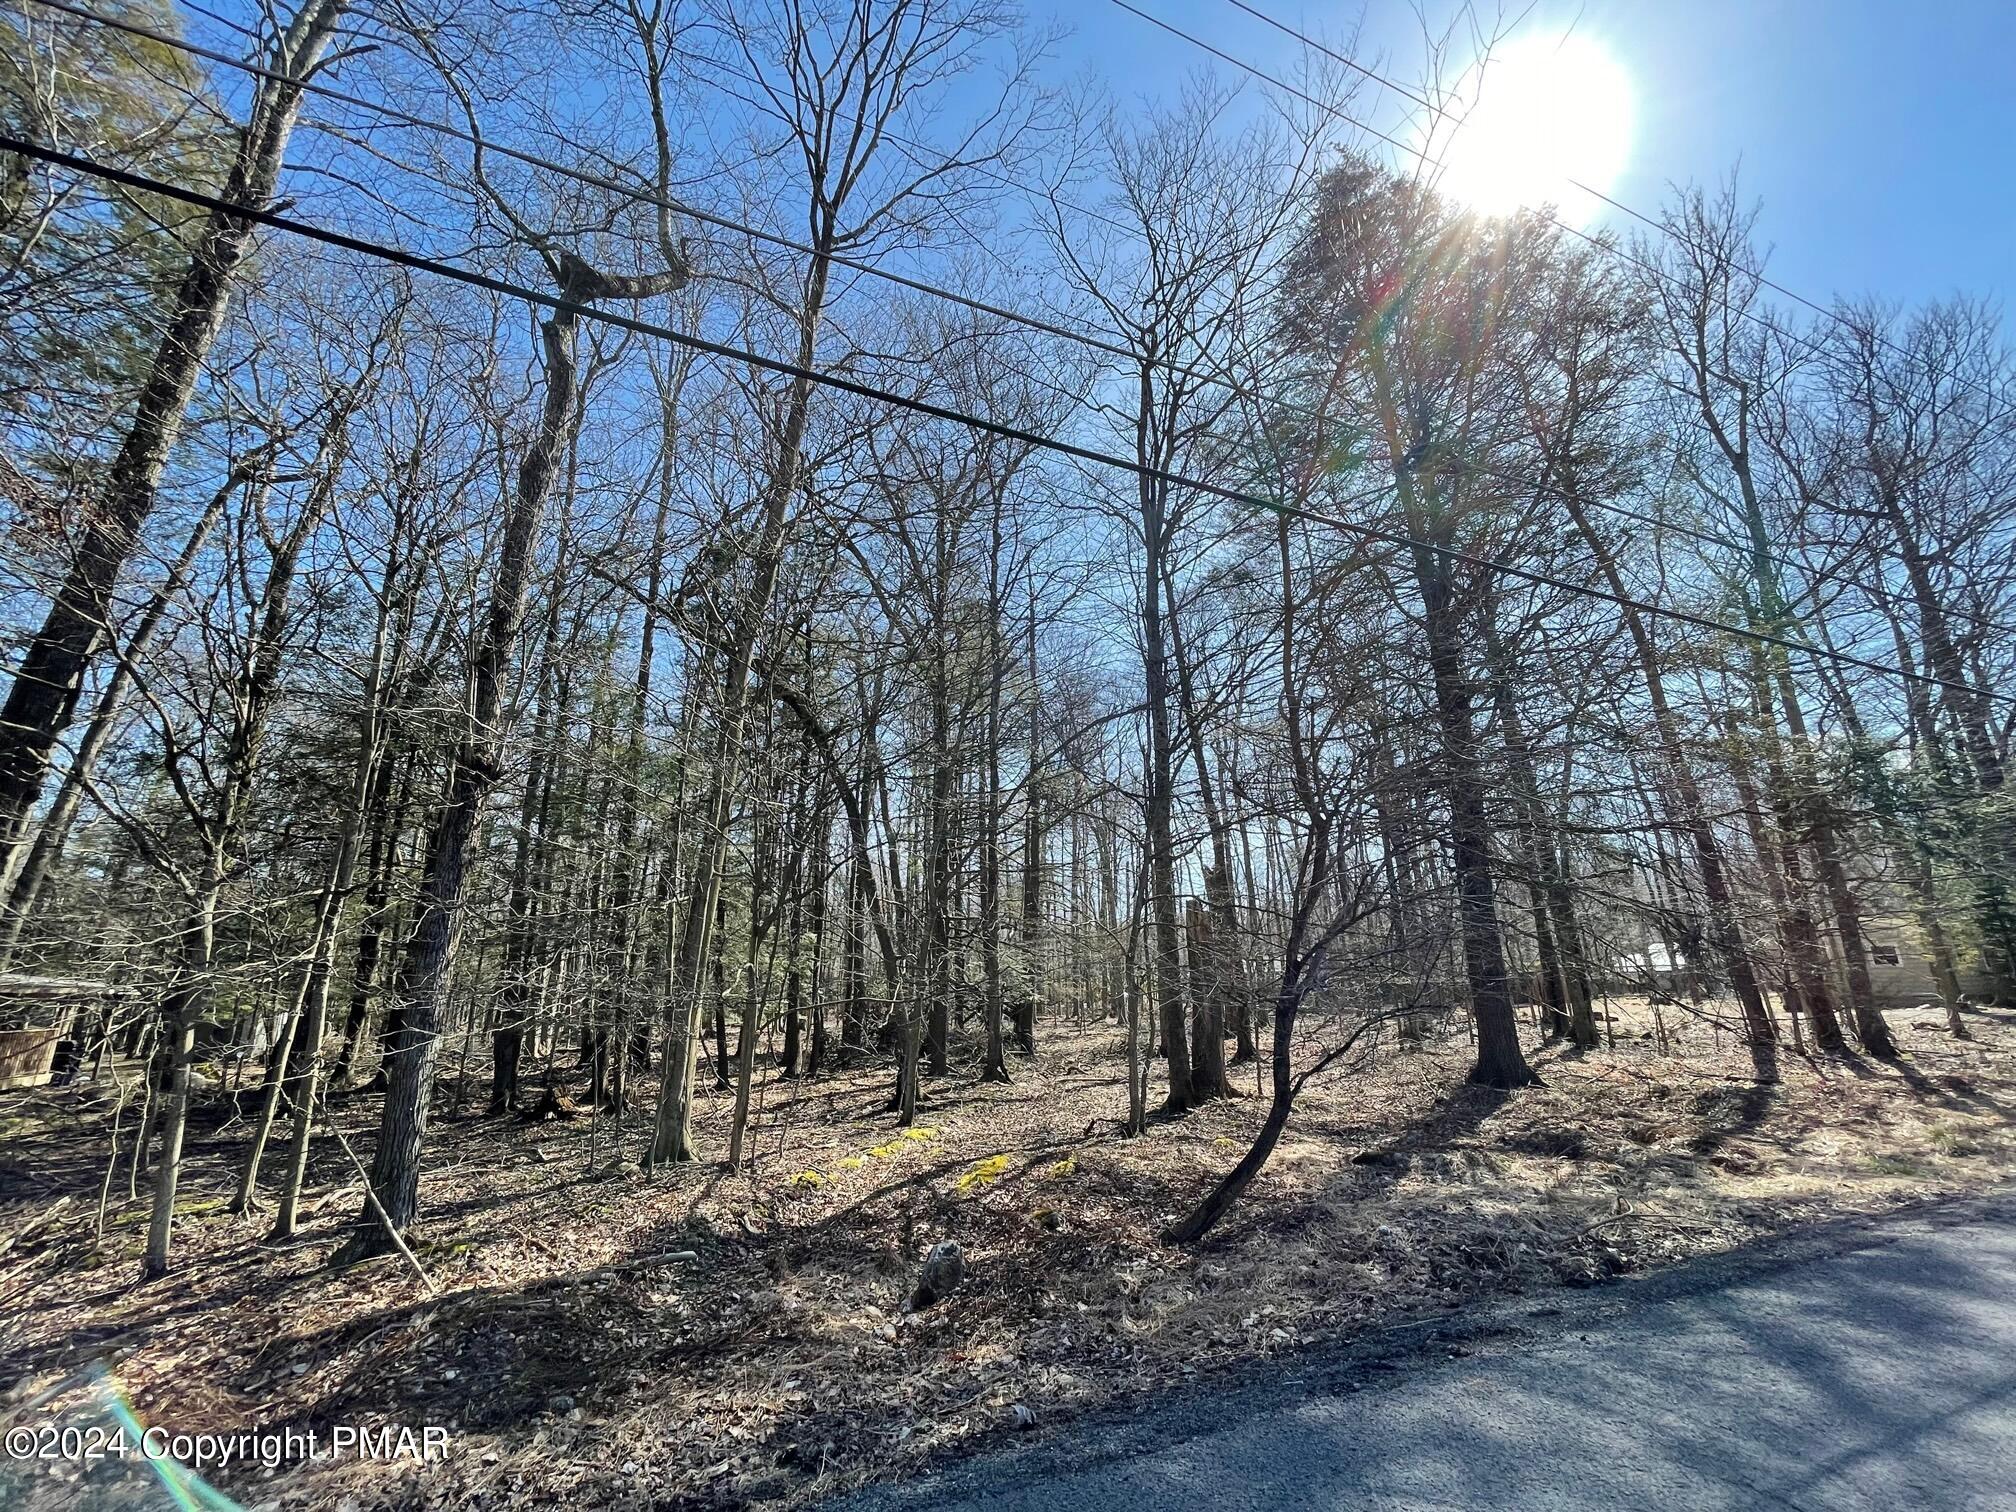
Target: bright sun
(1541, 116)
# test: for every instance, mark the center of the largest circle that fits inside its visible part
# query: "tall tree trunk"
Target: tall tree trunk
(760, 883)
(25, 885)
(423, 972)
(622, 943)
(672, 1134)
(278, 1075)
(935, 970)
(43, 698)
(822, 862)
(256, 687)
(1217, 968)
(1033, 840)
(1806, 797)
(1968, 709)
(387, 820)
(994, 1067)
(181, 1011)
(1161, 764)
(1805, 988)
(515, 996)
(315, 997)
(1823, 834)
(1563, 979)
(1500, 1061)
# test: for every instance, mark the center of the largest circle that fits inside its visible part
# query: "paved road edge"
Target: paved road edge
(1387, 1357)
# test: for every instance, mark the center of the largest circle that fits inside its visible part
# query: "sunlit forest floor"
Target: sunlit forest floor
(777, 1366)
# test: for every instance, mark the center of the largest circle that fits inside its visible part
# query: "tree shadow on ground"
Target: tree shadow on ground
(1953, 1092)
(1735, 1111)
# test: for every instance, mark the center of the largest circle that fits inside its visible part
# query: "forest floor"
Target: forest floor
(777, 1366)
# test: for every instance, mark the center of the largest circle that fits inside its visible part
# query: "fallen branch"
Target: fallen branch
(642, 1262)
(371, 1196)
(34, 1223)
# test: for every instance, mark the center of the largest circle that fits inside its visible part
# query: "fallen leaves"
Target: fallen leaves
(776, 1369)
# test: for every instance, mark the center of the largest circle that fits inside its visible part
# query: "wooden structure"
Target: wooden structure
(43, 1019)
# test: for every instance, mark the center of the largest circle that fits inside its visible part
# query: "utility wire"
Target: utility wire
(1267, 78)
(638, 194)
(633, 192)
(1418, 153)
(1218, 380)
(1035, 439)
(1349, 62)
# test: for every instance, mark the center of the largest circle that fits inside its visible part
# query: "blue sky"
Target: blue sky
(1879, 134)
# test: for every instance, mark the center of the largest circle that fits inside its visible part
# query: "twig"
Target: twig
(371, 1196)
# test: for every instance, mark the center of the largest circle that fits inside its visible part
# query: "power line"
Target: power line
(1265, 77)
(1601, 245)
(1616, 204)
(249, 32)
(1343, 59)
(635, 193)
(642, 195)
(1349, 62)
(399, 256)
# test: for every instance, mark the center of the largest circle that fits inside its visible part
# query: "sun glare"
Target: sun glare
(1543, 115)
